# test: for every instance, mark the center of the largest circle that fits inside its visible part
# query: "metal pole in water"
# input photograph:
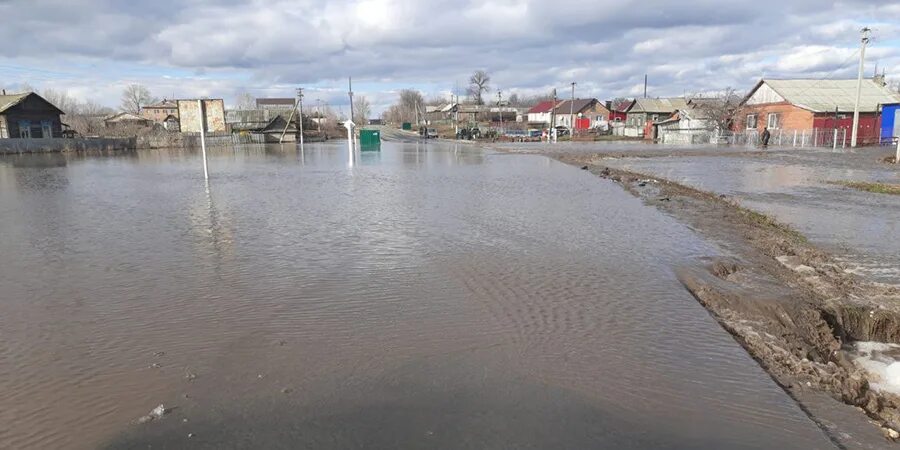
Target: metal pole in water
(300, 105)
(349, 125)
(834, 140)
(203, 137)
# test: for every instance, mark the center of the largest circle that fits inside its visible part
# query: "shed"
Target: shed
(890, 122)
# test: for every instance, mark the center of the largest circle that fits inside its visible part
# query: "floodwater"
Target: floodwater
(424, 297)
(797, 187)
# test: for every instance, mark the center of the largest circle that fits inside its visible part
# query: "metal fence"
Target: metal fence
(817, 137)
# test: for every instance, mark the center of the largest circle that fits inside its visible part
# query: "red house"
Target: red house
(791, 106)
(617, 110)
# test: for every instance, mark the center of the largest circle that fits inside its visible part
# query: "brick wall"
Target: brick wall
(792, 117)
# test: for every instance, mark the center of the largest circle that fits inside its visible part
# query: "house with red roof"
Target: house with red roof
(542, 112)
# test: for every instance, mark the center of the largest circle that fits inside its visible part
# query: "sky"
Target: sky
(92, 49)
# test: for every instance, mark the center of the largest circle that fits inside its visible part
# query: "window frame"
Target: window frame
(754, 122)
(777, 117)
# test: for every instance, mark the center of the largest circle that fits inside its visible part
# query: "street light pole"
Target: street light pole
(862, 61)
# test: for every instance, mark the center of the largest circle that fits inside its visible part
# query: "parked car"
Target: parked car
(562, 130)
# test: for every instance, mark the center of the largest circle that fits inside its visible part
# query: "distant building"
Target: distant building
(276, 103)
(541, 113)
(585, 112)
(644, 112)
(126, 120)
(161, 112)
(809, 104)
(28, 116)
(617, 110)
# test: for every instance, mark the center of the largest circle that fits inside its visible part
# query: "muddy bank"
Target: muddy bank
(789, 304)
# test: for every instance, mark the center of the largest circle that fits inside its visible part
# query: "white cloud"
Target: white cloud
(218, 48)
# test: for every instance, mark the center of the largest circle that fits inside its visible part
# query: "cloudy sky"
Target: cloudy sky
(192, 48)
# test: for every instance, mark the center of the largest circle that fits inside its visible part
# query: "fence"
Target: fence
(54, 145)
(817, 137)
(192, 140)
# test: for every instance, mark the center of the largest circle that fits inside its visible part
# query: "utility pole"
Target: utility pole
(572, 113)
(645, 85)
(862, 61)
(300, 104)
(500, 109)
(552, 132)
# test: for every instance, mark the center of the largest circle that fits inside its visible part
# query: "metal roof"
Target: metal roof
(8, 101)
(825, 95)
(167, 104)
(658, 105)
(542, 107)
(580, 104)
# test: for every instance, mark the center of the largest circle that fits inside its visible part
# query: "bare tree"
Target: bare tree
(245, 101)
(134, 96)
(718, 109)
(361, 110)
(478, 85)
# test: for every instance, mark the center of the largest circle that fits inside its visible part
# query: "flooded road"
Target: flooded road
(798, 188)
(426, 297)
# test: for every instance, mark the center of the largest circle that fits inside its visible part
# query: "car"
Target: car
(562, 130)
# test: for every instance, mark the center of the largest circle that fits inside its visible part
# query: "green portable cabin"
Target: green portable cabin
(407, 126)
(369, 139)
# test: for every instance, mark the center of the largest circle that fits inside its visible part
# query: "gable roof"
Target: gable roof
(580, 104)
(281, 102)
(125, 117)
(657, 105)
(542, 107)
(826, 95)
(8, 101)
(167, 104)
(621, 105)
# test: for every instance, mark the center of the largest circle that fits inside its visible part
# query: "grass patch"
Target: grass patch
(878, 188)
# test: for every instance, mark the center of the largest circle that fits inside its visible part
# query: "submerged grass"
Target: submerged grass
(878, 188)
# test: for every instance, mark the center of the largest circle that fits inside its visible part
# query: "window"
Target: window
(25, 129)
(654, 118)
(773, 120)
(47, 128)
(751, 121)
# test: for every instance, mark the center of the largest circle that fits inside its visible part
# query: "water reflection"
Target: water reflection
(484, 298)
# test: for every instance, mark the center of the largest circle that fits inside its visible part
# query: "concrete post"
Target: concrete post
(203, 137)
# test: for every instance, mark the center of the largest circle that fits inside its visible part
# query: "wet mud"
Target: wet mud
(789, 304)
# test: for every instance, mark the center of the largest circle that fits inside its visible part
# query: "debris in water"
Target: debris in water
(260, 376)
(190, 376)
(156, 414)
(665, 199)
(158, 354)
(155, 366)
(584, 167)
(190, 435)
(287, 391)
(890, 433)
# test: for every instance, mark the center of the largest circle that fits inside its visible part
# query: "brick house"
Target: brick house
(29, 116)
(586, 113)
(813, 105)
(162, 113)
